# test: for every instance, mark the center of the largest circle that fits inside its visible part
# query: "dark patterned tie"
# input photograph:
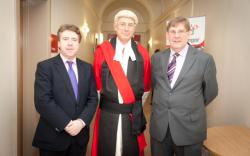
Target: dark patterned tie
(72, 77)
(171, 67)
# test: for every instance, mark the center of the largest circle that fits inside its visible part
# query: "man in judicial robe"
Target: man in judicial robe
(122, 72)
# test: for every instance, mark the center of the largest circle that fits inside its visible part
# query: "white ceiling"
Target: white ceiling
(147, 10)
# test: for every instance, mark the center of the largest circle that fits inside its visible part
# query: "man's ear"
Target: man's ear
(115, 26)
(167, 38)
(166, 34)
(58, 43)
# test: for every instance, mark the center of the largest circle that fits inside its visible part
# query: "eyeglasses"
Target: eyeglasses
(180, 32)
(124, 25)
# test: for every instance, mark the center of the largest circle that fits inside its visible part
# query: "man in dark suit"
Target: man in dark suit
(65, 98)
(184, 83)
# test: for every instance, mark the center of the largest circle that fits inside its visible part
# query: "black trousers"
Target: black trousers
(168, 148)
(73, 150)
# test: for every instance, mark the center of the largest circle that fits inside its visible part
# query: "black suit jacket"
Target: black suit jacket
(56, 103)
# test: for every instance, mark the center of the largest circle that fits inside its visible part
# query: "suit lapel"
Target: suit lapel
(164, 63)
(64, 75)
(82, 80)
(190, 59)
(134, 66)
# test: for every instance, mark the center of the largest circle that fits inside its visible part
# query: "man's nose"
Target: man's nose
(70, 42)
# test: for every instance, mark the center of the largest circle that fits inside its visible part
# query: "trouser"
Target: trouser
(168, 148)
(73, 150)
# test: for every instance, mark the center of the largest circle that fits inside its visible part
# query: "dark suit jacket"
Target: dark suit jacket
(56, 103)
(182, 107)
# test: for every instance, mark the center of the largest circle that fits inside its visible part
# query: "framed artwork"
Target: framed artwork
(137, 38)
(54, 43)
(111, 36)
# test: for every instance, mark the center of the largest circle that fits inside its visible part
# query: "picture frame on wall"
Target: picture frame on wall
(54, 43)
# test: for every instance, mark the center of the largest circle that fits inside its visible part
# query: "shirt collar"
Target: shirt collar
(65, 59)
(127, 53)
(182, 53)
(119, 43)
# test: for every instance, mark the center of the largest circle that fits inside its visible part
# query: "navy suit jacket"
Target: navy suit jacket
(57, 105)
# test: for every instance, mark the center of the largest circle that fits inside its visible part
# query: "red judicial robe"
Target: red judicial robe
(139, 78)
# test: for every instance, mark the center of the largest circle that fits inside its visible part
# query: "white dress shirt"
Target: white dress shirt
(74, 65)
(179, 62)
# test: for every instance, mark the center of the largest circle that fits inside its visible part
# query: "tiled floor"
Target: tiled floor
(147, 110)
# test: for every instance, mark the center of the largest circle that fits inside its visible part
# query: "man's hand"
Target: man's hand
(74, 127)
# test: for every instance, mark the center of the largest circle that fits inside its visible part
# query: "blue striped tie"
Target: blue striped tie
(171, 67)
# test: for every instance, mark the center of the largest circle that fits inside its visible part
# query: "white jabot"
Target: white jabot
(144, 97)
(128, 51)
(179, 62)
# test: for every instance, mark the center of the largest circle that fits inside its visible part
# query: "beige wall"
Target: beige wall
(227, 39)
(9, 32)
(36, 46)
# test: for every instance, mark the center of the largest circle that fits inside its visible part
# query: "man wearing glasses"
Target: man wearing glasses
(184, 83)
(122, 72)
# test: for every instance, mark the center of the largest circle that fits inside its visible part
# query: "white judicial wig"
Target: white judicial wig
(127, 14)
